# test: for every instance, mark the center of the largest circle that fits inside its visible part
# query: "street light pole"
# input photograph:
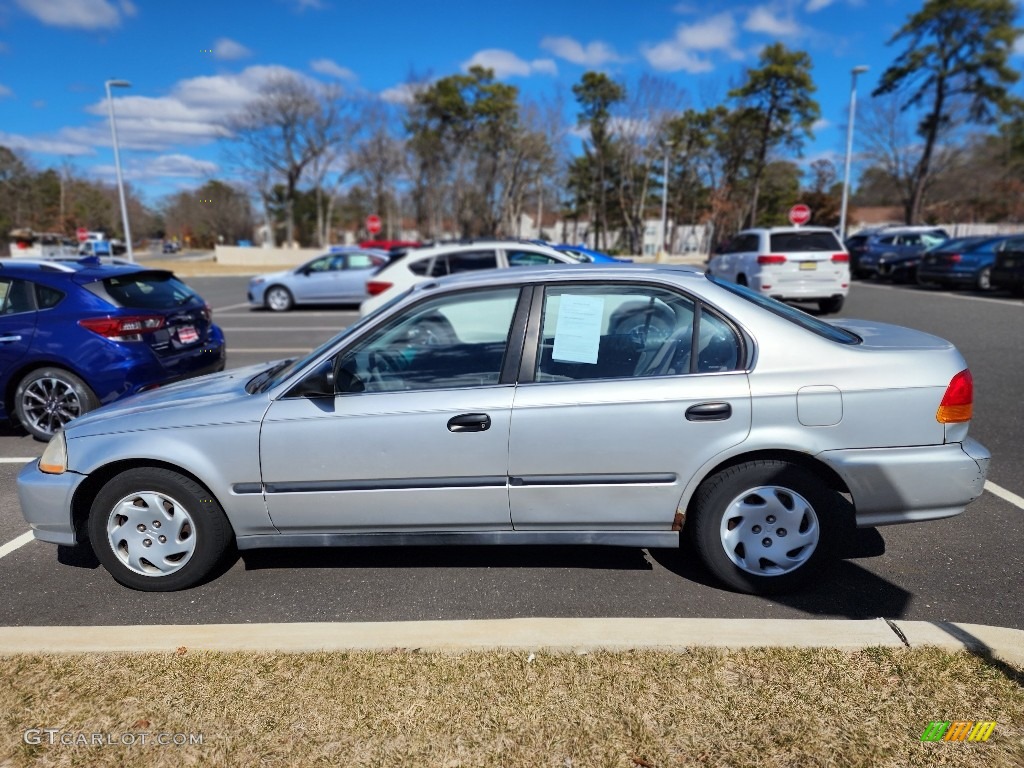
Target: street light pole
(849, 147)
(117, 164)
(664, 202)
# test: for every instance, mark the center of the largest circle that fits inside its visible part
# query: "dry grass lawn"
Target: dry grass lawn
(703, 707)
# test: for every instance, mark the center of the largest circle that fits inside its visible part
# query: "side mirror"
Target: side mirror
(319, 383)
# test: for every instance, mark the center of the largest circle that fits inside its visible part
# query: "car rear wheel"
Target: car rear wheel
(48, 398)
(832, 305)
(157, 531)
(984, 281)
(278, 298)
(765, 527)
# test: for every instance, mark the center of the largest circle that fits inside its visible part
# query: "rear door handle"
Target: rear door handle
(709, 412)
(9, 339)
(469, 422)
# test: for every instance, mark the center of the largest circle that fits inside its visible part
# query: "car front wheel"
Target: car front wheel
(156, 530)
(984, 281)
(765, 527)
(48, 398)
(279, 299)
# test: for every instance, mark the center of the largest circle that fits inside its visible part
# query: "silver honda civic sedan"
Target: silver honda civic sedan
(620, 405)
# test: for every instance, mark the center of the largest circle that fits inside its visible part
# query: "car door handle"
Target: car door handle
(709, 412)
(9, 339)
(469, 422)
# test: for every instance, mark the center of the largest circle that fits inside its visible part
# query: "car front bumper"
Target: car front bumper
(46, 503)
(909, 485)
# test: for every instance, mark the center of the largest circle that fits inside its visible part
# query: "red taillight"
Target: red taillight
(374, 287)
(123, 328)
(958, 402)
(954, 257)
(840, 258)
(771, 259)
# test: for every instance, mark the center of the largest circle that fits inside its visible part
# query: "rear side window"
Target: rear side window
(15, 297)
(529, 259)
(47, 297)
(144, 290)
(450, 263)
(803, 242)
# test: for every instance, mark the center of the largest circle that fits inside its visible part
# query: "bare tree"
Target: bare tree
(379, 159)
(282, 130)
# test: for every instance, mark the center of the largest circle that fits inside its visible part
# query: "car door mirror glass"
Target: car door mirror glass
(319, 382)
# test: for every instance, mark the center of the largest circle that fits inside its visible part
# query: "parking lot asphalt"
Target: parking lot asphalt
(967, 569)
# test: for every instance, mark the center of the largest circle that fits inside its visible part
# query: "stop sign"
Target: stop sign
(82, 234)
(373, 223)
(799, 214)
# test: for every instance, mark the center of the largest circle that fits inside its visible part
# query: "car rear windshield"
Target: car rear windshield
(802, 242)
(794, 315)
(144, 290)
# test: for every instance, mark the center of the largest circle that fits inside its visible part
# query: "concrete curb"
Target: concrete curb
(563, 635)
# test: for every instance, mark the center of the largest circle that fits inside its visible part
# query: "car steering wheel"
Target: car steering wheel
(385, 369)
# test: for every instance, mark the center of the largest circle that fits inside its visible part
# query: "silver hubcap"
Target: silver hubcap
(151, 533)
(769, 531)
(985, 279)
(277, 299)
(50, 403)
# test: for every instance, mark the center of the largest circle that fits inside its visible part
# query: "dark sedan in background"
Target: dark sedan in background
(964, 262)
(1008, 269)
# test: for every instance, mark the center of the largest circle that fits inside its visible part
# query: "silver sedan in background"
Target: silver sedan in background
(624, 405)
(337, 277)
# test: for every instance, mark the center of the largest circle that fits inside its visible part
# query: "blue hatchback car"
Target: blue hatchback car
(77, 335)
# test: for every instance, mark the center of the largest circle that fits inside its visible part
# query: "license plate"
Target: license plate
(808, 265)
(187, 334)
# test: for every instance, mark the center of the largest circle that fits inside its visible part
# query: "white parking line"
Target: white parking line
(1005, 495)
(17, 543)
(231, 306)
(282, 328)
(262, 350)
(18, 460)
(1000, 302)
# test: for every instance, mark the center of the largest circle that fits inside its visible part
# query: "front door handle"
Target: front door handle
(469, 422)
(9, 339)
(709, 412)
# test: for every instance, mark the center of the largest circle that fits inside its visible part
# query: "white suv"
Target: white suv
(419, 264)
(788, 263)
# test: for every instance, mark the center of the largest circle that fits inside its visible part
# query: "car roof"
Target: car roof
(773, 230)
(623, 271)
(81, 271)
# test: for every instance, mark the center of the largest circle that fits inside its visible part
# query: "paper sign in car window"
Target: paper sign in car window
(578, 334)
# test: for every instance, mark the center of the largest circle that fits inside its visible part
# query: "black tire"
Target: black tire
(199, 532)
(744, 495)
(277, 298)
(832, 305)
(46, 399)
(741, 279)
(984, 280)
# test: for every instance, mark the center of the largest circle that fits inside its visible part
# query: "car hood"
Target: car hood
(215, 398)
(272, 276)
(888, 336)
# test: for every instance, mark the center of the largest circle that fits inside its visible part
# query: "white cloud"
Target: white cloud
(195, 112)
(5, 91)
(813, 6)
(160, 168)
(332, 69)
(81, 14)
(684, 9)
(39, 103)
(683, 52)
(1018, 47)
(766, 21)
(226, 49)
(507, 64)
(128, 8)
(43, 145)
(304, 5)
(593, 54)
(821, 124)
(403, 93)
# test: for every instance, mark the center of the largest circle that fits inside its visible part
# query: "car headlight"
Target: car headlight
(54, 460)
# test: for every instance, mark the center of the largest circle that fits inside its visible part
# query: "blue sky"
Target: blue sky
(190, 63)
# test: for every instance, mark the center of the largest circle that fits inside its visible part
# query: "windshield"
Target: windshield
(283, 370)
(144, 290)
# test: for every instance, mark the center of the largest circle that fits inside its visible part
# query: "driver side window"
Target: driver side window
(454, 341)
